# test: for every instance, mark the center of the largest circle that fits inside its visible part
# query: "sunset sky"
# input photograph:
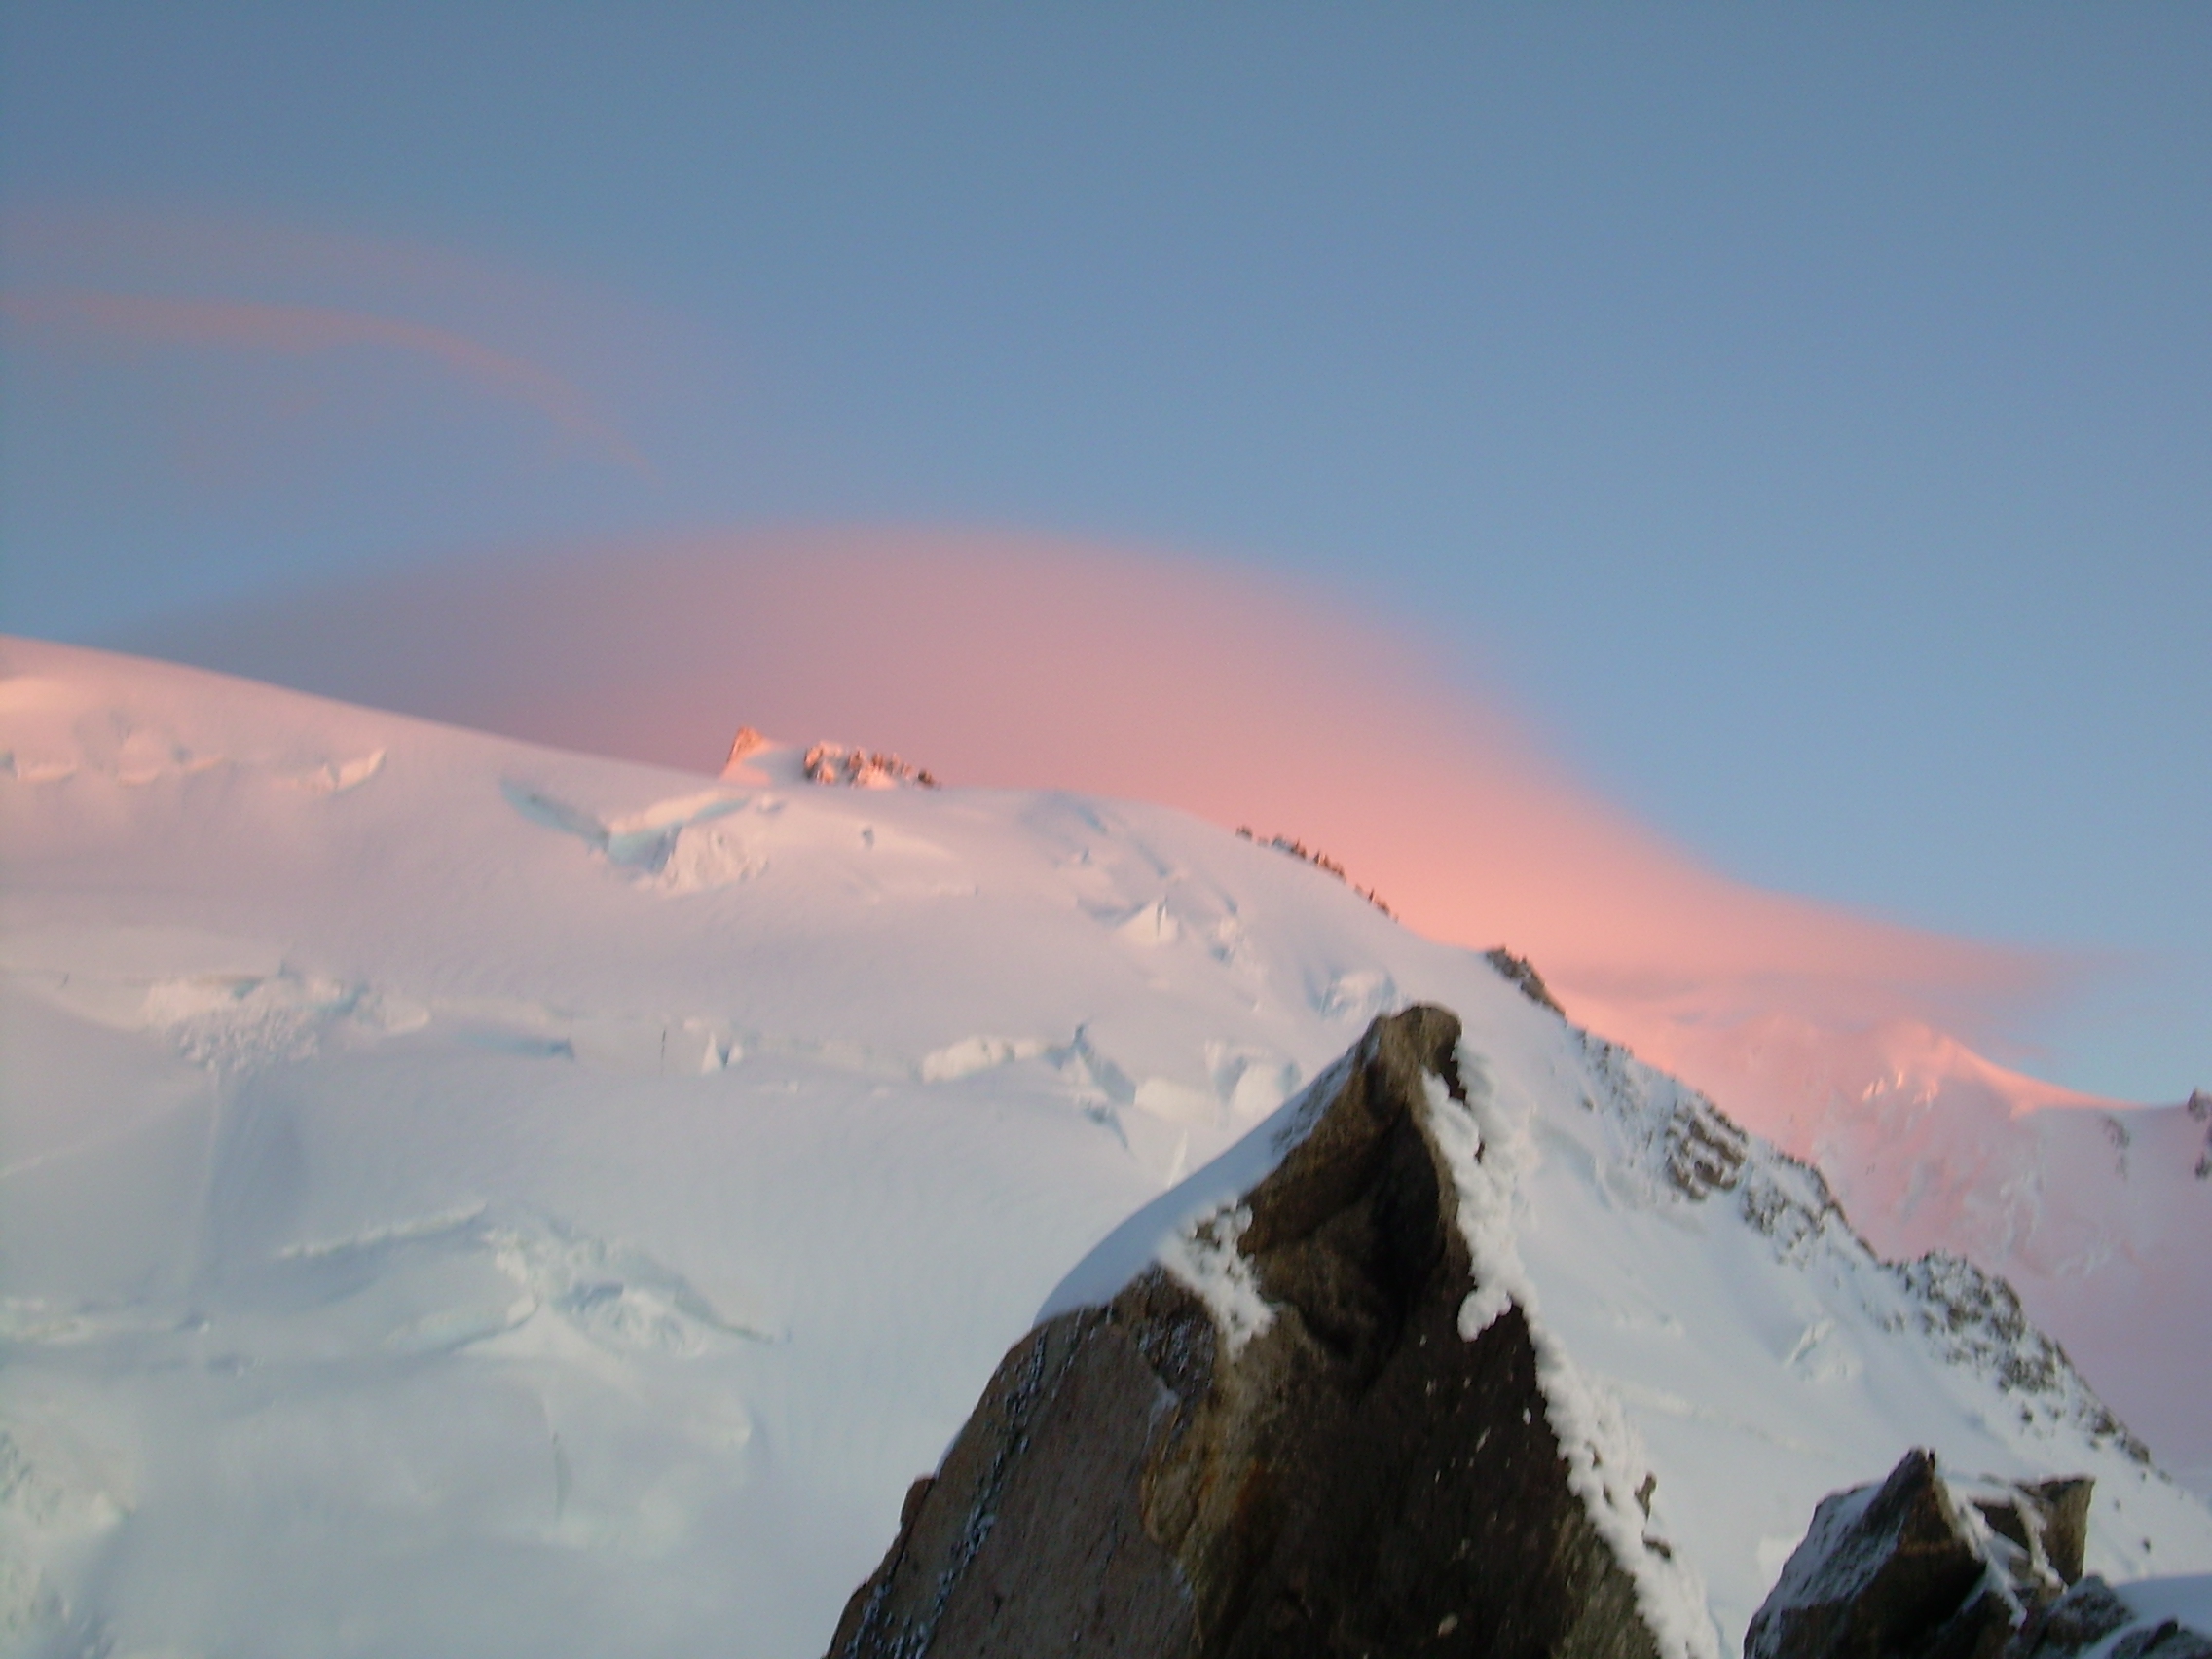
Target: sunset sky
(1708, 492)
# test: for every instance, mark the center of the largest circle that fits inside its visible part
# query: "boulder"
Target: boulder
(2092, 1618)
(1928, 1567)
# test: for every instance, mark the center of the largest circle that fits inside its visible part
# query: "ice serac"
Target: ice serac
(1285, 1447)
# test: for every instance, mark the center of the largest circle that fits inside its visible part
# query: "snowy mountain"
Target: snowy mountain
(2099, 1219)
(1437, 1361)
(463, 1196)
(2097, 1215)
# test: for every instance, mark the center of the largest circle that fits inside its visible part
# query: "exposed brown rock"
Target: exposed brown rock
(1030, 1539)
(1878, 1576)
(1354, 1479)
(2075, 1623)
(2049, 1515)
(1900, 1572)
(2088, 1614)
(861, 768)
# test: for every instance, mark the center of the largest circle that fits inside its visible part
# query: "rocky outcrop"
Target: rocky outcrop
(830, 763)
(1915, 1569)
(864, 769)
(2091, 1617)
(1930, 1566)
(1309, 1459)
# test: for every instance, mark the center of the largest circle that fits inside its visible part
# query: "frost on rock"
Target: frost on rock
(1881, 1571)
(1204, 1258)
(1607, 1467)
(2149, 1619)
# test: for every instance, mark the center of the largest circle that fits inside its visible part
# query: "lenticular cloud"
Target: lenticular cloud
(996, 659)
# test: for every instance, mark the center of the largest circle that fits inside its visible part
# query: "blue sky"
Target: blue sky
(1799, 416)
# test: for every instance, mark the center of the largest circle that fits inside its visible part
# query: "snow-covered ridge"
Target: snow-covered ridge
(1320, 860)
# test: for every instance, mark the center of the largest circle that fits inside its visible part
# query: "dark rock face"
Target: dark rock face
(1879, 1574)
(1355, 1478)
(2075, 1623)
(1031, 1539)
(2090, 1612)
(1900, 1571)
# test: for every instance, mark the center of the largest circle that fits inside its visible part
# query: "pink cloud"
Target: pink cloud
(1005, 659)
(298, 330)
(104, 246)
(1853, 1042)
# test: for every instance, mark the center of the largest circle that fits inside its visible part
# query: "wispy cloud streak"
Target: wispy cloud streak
(298, 330)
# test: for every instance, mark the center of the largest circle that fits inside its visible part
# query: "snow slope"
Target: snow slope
(456, 1196)
(2098, 1215)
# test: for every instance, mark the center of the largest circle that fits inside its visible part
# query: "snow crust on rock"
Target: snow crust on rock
(1607, 1463)
(513, 1202)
